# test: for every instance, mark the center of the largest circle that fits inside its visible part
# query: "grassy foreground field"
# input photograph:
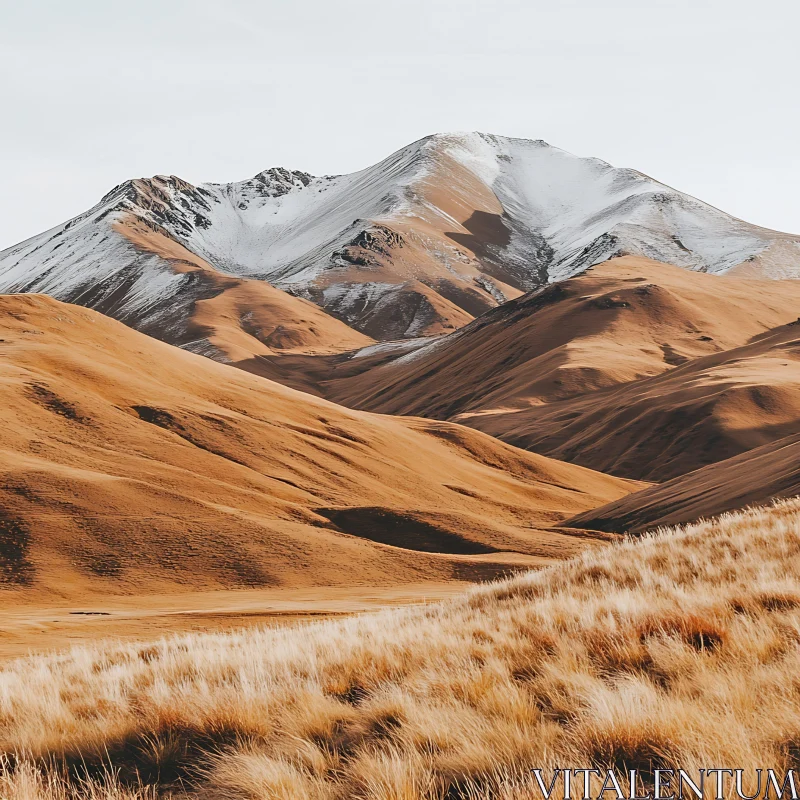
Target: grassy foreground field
(680, 649)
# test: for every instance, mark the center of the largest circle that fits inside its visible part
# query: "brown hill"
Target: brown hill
(634, 368)
(705, 411)
(623, 320)
(131, 466)
(757, 476)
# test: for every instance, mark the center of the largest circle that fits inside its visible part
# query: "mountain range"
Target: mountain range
(417, 245)
(479, 355)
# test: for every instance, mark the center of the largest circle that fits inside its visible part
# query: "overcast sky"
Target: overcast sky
(701, 94)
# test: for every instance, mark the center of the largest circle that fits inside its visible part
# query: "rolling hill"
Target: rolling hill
(620, 321)
(699, 413)
(769, 472)
(634, 368)
(129, 466)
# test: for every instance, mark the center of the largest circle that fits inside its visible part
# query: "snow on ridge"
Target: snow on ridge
(430, 345)
(579, 203)
(402, 346)
(268, 225)
(563, 214)
(473, 151)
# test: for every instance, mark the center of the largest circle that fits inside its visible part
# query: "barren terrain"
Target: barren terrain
(768, 472)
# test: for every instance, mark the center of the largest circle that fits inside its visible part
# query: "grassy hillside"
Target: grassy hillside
(677, 649)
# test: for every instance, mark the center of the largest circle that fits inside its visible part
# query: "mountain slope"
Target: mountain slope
(416, 245)
(752, 478)
(704, 411)
(233, 319)
(129, 466)
(620, 321)
(634, 368)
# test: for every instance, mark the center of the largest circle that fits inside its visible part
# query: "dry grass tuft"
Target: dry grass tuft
(681, 649)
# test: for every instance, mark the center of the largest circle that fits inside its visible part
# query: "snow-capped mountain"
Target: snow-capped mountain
(418, 244)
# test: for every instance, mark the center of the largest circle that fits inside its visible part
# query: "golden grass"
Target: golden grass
(680, 649)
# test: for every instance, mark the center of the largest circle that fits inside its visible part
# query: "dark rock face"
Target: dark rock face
(278, 181)
(365, 247)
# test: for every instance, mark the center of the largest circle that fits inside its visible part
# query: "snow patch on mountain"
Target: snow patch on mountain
(588, 211)
(558, 214)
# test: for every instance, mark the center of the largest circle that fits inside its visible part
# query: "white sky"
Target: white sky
(700, 94)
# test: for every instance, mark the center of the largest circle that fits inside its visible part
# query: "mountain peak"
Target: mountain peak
(446, 228)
